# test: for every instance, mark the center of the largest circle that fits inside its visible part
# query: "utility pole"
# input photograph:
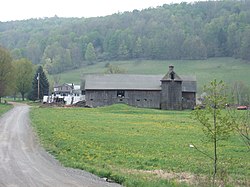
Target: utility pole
(38, 85)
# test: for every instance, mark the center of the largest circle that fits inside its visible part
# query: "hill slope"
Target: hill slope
(178, 31)
(229, 70)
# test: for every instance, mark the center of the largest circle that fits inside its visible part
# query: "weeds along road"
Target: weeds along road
(23, 163)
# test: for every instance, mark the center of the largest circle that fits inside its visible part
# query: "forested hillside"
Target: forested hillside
(177, 31)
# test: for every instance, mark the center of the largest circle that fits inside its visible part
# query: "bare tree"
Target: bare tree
(240, 93)
(241, 119)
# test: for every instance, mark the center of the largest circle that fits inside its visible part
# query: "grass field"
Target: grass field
(136, 147)
(4, 108)
(226, 69)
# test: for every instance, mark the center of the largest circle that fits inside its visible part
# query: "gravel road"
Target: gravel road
(23, 163)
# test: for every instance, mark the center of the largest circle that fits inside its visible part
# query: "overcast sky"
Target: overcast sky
(26, 9)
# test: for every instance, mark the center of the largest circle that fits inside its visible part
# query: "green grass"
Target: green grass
(4, 108)
(226, 69)
(120, 142)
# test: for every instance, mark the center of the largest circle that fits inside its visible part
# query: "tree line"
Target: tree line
(177, 31)
(21, 77)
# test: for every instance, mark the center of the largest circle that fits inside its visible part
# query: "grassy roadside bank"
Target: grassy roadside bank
(4, 108)
(135, 147)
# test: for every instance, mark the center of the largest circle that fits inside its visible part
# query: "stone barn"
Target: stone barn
(169, 92)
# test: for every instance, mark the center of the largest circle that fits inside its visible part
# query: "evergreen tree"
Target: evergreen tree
(40, 80)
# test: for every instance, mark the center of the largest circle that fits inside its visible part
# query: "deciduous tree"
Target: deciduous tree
(245, 45)
(23, 76)
(240, 93)
(194, 49)
(216, 124)
(123, 51)
(241, 119)
(114, 69)
(6, 71)
(137, 52)
(90, 54)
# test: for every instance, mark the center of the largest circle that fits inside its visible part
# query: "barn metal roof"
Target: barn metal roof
(133, 82)
(189, 83)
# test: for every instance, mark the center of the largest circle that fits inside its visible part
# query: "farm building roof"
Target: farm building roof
(71, 85)
(133, 82)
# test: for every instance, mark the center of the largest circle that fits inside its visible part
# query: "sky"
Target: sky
(11, 10)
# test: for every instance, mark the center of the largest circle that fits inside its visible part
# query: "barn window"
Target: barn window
(121, 93)
(172, 76)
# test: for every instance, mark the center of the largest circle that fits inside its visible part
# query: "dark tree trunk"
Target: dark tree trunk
(14, 96)
(22, 96)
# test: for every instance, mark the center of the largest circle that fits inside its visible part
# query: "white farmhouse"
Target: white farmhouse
(67, 94)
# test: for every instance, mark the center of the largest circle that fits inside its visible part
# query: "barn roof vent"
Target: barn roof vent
(171, 75)
(171, 68)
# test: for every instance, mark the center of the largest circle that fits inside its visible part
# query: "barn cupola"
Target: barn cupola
(171, 67)
(171, 75)
(171, 91)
